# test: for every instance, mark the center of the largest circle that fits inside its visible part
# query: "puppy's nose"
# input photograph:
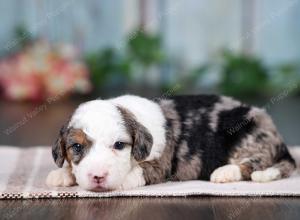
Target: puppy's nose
(99, 178)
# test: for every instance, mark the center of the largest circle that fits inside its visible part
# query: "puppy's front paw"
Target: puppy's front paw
(225, 174)
(134, 179)
(60, 177)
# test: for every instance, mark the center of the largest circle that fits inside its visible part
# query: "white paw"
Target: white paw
(60, 177)
(134, 179)
(225, 174)
(265, 175)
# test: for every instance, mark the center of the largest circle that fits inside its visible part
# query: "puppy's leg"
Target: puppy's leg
(61, 177)
(261, 156)
(259, 168)
(134, 179)
(256, 169)
(148, 172)
(280, 170)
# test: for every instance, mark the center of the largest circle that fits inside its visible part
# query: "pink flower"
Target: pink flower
(40, 72)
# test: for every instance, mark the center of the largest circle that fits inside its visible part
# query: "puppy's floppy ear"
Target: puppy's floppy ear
(142, 143)
(142, 139)
(59, 147)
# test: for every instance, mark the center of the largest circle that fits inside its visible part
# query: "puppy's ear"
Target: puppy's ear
(142, 143)
(142, 139)
(59, 147)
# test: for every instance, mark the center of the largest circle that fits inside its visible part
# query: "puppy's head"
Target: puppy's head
(102, 142)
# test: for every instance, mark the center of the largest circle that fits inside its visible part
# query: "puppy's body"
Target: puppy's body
(204, 137)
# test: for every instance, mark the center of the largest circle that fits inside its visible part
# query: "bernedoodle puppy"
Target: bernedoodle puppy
(130, 141)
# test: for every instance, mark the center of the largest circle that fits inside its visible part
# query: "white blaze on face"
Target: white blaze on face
(104, 162)
(103, 125)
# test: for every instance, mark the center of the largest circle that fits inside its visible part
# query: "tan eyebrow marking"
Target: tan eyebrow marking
(77, 136)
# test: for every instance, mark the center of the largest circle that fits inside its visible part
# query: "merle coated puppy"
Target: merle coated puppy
(129, 141)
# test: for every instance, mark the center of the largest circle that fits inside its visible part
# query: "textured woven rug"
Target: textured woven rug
(23, 173)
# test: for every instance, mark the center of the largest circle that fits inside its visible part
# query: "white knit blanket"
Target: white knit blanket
(23, 172)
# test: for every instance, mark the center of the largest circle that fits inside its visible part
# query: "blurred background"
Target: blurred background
(56, 54)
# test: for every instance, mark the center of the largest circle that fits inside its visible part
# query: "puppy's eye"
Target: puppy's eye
(77, 147)
(119, 145)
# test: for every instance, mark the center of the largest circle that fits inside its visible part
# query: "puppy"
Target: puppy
(130, 141)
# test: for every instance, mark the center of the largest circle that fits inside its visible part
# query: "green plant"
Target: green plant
(243, 75)
(23, 36)
(145, 48)
(284, 75)
(142, 50)
(107, 64)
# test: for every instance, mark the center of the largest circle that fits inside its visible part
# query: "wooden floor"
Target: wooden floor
(27, 125)
(153, 208)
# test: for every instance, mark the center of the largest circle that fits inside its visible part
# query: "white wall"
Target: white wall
(88, 24)
(278, 30)
(193, 30)
(199, 28)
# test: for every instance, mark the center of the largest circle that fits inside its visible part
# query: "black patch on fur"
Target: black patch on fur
(196, 136)
(284, 155)
(212, 147)
(261, 136)
(170, 139)
(217, 151)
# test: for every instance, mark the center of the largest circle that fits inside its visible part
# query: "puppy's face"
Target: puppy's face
(102, 142)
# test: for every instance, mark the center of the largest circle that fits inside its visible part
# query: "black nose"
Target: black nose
(99, 179)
